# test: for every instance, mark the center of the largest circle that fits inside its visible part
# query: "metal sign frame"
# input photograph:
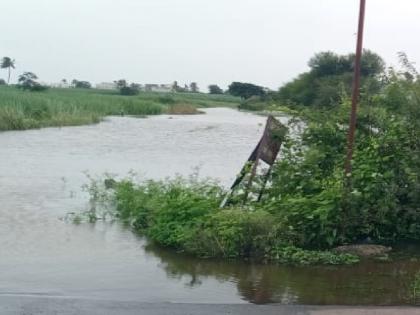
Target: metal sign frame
(266, 150)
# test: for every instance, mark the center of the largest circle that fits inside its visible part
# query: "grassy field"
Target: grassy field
(21, 110)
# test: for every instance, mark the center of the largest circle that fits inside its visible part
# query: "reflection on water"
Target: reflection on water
(386, 283)
(41, 172)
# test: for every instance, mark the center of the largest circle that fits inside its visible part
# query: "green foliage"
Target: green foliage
(184, 214)
(7, 63)
(127, 89)
(330, 77)
(194, 87)
(233, 233)
(81, 84)
(298, 256)
(20, 110)
(166, 210)
(254, 103)
(27, 81)
(166, 99)
(307, 190)
(215, 89)
(2, 82)
(245, 90)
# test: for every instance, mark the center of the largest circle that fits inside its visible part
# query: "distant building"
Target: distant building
(106, 86)
(162, 88)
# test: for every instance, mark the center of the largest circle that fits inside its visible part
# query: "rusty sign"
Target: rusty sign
(266, 150)
(271, 140)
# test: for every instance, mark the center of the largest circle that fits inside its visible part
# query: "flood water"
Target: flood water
(41, 174)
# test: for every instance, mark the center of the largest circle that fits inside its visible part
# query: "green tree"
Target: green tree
(8, 63)
(245, 90)
(81, 84)
(194, 87)
(175, 86)
(28, 81)
(330, 76)
(215, 89)
(126, 89)
(120, 83)
(329, 63)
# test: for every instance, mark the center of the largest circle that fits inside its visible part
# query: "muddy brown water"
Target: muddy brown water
(41, 174)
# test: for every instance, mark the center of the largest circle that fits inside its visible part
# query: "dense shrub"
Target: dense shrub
(329, 77)
(254, 103)
(309, 194)
(81, 84)
(129, 90)
(166, 210)
(185, 215)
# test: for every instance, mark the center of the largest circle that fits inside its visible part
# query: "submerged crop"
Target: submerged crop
(21, 110)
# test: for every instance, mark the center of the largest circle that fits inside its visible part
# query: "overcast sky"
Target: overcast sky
(267, 42)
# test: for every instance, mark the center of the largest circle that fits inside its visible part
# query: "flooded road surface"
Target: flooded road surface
(41, 174)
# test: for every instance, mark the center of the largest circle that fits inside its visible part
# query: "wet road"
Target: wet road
(67, 306)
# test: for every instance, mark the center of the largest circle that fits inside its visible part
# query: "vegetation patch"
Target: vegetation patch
(25, 109)
(182, 109)
(184, 214)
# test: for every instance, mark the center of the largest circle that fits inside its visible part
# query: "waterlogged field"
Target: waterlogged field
(68, 107)
(43, 254)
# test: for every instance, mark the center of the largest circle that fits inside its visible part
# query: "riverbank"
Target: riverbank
(55, 107)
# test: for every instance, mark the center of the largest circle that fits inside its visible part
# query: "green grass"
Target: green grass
(21, 110)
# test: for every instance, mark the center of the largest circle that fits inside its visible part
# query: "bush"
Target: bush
(308, 193)
(254, 103)
(297, 256)
(184, 214)
(330, 76)
(233, 233)
(166, 210)
(129, 90)
(27, 81)
(215, 89)
(82, 84)
(38, 88)
(245, 90)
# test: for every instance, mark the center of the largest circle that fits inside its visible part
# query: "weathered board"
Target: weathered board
(266, 150)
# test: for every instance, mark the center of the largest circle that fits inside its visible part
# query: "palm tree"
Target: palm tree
(8, 63)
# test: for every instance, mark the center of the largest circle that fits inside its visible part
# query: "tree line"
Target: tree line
(329, 77)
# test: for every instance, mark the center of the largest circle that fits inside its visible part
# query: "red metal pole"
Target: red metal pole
(356, 90)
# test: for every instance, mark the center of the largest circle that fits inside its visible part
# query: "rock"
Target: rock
(363, 250)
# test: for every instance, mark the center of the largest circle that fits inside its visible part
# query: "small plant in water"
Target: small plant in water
(101, 200)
